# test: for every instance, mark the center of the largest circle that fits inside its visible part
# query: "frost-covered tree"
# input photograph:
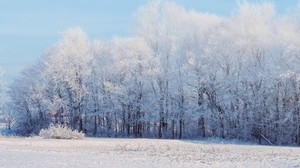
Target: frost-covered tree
(27, 104)
(181, 74)
(67, 68)
(133, 62)
(158, 25)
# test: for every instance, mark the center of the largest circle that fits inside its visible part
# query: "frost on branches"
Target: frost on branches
(60, 132)
(182, 74)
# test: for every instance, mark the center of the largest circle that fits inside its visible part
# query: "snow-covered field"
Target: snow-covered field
(144, 153)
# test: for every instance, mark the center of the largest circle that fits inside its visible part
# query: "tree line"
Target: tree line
(180, 74)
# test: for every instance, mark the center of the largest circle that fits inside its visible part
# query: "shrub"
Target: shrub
(7, 133)
(60, 132)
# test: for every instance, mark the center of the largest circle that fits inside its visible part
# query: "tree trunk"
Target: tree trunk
(80, 124)
(95, 126)
(181, 128)
(201, 124)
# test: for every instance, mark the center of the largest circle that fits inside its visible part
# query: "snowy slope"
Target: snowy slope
(145, 153)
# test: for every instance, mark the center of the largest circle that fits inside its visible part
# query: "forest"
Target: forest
(180, 74)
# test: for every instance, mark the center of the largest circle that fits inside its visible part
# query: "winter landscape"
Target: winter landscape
(182, 88)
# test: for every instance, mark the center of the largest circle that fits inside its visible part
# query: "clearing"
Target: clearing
(146, 153)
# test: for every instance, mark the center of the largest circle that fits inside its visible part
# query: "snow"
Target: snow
(147, 153)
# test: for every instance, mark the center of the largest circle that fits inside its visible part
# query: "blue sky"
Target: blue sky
(29, 27)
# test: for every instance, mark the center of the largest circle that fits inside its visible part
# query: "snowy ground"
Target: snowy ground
(145, 153)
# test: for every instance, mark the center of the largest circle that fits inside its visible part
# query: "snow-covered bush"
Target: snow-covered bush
(60, 132)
